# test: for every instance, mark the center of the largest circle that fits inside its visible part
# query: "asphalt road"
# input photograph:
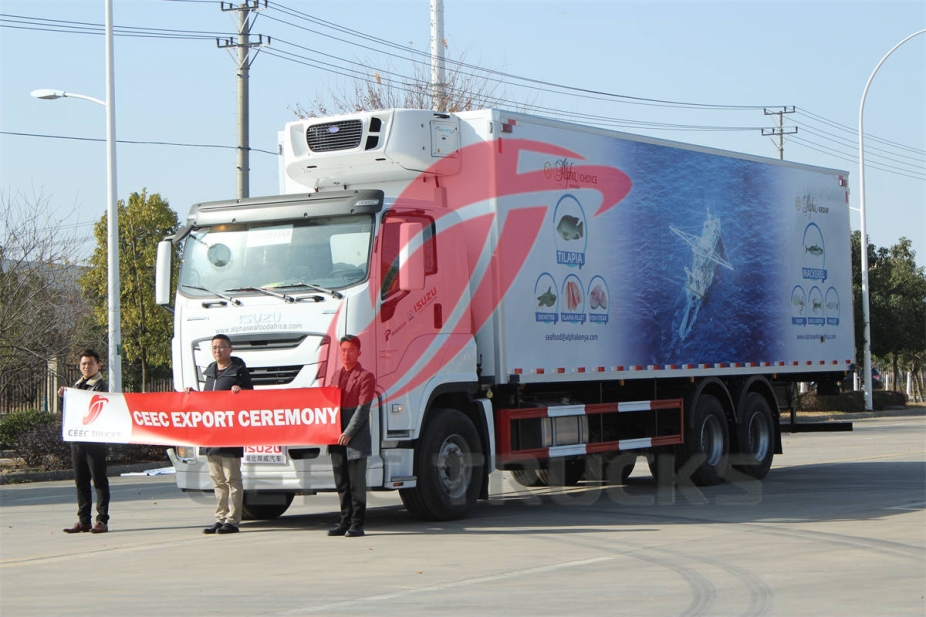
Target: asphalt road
(837, 528)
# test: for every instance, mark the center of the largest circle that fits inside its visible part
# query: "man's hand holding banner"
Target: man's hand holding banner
(304, 416)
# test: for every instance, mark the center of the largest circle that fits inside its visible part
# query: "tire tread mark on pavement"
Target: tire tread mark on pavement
(304, 610)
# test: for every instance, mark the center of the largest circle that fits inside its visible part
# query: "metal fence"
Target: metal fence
(36, 387)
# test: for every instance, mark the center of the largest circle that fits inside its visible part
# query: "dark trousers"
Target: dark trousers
(89, 460)
(351, 479)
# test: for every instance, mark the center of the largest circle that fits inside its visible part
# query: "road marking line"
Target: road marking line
(463, 583)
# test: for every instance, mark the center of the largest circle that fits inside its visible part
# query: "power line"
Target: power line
(384, 78)
(854, 132)
(133, 142)
(400, 82)
(501, 76)
(811, 145)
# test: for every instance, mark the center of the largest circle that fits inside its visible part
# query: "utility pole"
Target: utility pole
(243, 45)
(437, 53)
(780, 131)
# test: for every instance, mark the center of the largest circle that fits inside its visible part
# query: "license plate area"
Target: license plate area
(264, 455)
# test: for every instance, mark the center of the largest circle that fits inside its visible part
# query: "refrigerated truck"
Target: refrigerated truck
(532, 295)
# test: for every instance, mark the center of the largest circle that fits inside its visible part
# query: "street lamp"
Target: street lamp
(112, 238)
(869, 403)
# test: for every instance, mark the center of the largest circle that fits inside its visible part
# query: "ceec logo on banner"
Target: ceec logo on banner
(96, 408)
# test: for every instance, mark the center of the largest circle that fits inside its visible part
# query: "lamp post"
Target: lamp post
(112, 241)
(869, 404)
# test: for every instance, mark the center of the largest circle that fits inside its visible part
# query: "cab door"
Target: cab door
(410, 314)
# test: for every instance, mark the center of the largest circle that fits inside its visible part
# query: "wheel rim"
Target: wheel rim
(712, 440)
(453, 468)
(759, 437)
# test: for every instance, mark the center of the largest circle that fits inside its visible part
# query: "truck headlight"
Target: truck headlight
(186, 454)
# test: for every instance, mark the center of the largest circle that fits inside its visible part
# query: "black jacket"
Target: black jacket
(235, 375)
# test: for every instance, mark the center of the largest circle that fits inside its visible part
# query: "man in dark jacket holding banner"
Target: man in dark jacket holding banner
(226, 373)
(349, 457)
(89, 459)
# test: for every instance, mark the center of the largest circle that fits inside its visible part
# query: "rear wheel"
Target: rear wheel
(707, 445)
(755, 437)
(265, 506)
(449, 464)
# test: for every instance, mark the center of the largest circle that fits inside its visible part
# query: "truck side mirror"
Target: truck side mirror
(411, 257)
(162, 273)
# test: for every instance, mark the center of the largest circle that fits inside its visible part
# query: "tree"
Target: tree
(41, 309)
(897, 302)
(147, 329)
(465, 88)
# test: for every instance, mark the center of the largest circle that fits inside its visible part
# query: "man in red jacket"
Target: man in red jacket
(349, 457)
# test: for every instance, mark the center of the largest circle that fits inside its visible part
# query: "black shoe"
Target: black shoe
(340, 530)
(212, 528)
(355, 531)
(227, 528)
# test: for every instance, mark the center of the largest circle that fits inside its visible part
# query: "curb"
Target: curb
(22, 477)
(861, 415)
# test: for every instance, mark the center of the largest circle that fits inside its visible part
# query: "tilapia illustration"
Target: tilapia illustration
(547, 299)
(597, 298)
(833, 306)
(813, 249)
(570, 227)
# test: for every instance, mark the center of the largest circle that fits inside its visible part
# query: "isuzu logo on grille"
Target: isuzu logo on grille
(333, 129)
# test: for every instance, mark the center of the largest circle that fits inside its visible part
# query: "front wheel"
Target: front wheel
(259, 506)
(450, 465)
(755, 437)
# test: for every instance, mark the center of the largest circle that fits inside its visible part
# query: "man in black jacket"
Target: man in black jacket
(226, 373)
(89, 459)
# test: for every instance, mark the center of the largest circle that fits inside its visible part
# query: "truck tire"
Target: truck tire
(708, 442)
(265, 511)
(755, 437)
(449, 463)
(562, 472)
(610, 468)
(526, 477)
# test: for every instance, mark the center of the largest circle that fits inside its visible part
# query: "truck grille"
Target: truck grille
(332, 136)
(273, 375)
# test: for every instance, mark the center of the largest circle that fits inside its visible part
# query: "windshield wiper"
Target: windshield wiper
(267, 292)
(277, 294)
(331, 292)
(234, 301)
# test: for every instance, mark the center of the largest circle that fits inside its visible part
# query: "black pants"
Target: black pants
(351, 479)
(89, 460)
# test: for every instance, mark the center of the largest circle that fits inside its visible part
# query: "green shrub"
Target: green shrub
(138, 453)
(850, 401)
(13, 424)
(42, 446)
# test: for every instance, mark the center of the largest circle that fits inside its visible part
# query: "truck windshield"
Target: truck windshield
(329, 252)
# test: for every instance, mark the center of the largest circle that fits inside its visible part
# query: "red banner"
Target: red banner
(304, 416)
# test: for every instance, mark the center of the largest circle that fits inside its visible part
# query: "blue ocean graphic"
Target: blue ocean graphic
(739, 317)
